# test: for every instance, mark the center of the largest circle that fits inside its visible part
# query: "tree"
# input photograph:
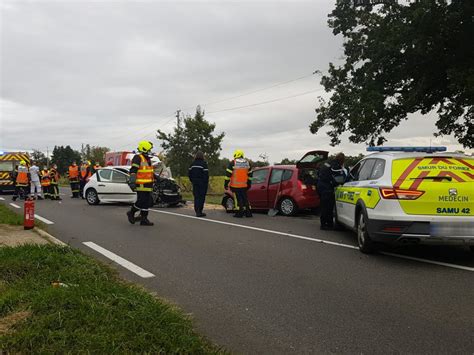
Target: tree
(94, 154)
(39, 157)
(400, 59)
(190, 135)
(64, 156)
(286, 161)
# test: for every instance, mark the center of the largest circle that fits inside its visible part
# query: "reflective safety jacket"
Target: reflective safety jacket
(22, 176)
(45, 179)
(238, 174)
(73, 173)
(141, 166)
(85, 172)
(54, 176)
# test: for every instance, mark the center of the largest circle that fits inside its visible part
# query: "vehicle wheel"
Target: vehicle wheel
(366, 245)
(91, 197)
(287, 206)
(228, 204)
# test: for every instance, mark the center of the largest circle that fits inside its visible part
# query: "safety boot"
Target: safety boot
(248, 214)
(239, 214)
(131, 217)
(145, 222)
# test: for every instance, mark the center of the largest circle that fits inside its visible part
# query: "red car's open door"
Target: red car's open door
(312, 159)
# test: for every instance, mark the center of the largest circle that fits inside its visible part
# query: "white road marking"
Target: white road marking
(439, 263)
(14, 205)
(119, 260)
(1, 198)
(42, 219)
(455, 266)
(261, 230)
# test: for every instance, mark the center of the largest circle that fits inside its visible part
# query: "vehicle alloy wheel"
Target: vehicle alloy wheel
(366, 245)
(287, 207)
(91, 197)
(229, 205)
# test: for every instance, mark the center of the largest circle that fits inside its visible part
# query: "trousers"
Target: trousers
(199, 192)
(242, 199)
(35, 188)
(143, 204)
(74, 188)
(327, 203)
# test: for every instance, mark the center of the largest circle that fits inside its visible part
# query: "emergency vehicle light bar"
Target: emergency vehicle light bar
(407, 149)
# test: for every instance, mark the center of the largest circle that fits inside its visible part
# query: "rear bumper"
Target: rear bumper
(415, 232)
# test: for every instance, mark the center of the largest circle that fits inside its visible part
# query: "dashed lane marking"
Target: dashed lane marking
(322, 241)
(119, 260)
(14, 205)
(2, 199)
(44, 220)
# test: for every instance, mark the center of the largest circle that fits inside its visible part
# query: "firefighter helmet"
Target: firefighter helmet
(145, 146)
(238, 154)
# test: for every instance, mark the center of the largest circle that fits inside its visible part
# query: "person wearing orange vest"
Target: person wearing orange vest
(54, 176)
(85, 175)
(96, 167)
(73, 175)
(141, 181)
(45, 182)
(238, 178)
(21, 181)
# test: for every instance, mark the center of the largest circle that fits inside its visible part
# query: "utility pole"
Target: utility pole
(178, 115)
(47, 157)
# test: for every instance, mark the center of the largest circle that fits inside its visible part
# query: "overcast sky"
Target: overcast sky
(110, 73)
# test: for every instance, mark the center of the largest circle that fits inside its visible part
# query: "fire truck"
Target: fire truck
(8, 162)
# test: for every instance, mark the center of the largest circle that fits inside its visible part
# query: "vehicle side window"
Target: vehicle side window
(378, 170)
(276, 176)
(119, 177)
(105, 175)
(287, 174)
(354, 173)
(259, 176)
(366, 170)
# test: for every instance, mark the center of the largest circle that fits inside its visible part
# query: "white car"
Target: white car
(109, 184)
(409, 195)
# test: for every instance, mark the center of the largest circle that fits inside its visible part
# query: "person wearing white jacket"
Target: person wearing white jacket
(35, 181)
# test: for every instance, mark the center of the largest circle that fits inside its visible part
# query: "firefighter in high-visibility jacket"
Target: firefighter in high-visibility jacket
(141, 181)
(85, 175)
(95, 168)
(45, 182)
(54, 176)
(239, 179)
(21, 181)
(73, 175)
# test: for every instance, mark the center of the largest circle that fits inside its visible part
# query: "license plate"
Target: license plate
(452, 229)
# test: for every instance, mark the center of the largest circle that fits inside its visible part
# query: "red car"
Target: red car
(293, 186)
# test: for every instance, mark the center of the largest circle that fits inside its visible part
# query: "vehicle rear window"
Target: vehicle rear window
(366, 170)
(105, 174)
(119, 177)
(378, 169)
(287, 174)
(6, 166)
(276, 176)
(259, 176)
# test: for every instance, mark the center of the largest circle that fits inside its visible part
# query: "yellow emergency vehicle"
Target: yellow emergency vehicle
(409, 195)
(8, 162)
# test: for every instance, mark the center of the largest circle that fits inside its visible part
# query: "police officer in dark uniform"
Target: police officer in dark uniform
(141, 181)
(331, 174)
(199, 176)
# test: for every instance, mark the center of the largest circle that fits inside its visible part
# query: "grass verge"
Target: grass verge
(7, 216)
(96, 313)
(210, 198)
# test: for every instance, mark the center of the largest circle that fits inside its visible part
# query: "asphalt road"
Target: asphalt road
(272, 285)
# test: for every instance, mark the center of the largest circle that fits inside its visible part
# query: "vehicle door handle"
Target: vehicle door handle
(345, 192)
(102, 185)
(357, 192)
(262, 188)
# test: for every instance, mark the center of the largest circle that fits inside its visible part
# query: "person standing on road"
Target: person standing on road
(54, 176)
(141, 181)
(21, 181)
(73, 175)
(330, 175)
(35, 181)
(239, 178)
(199, 176)
(95, 168)
(45, 182)
(85, 176)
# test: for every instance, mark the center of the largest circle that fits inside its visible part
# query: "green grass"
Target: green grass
(98, 313)
(216, 184)
(211, 199)
(7, 216)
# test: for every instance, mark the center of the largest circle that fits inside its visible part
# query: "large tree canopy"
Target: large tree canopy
(399, 59)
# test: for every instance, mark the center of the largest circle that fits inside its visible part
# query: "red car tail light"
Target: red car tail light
(400, 194)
